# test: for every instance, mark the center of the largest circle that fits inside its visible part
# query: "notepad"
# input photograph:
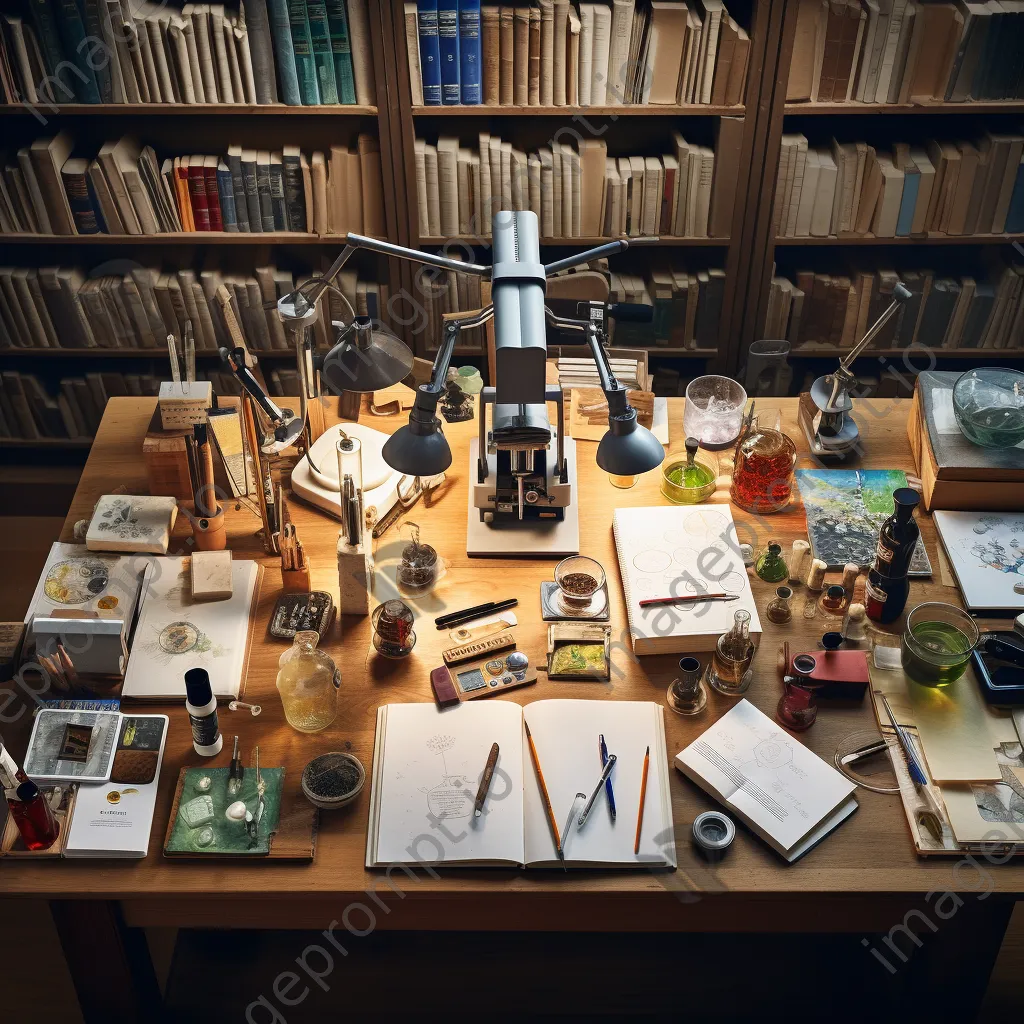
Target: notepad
(784, 792)
(427, 764)
(675, 551)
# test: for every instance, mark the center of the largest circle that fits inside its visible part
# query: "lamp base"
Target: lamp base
(554, 538)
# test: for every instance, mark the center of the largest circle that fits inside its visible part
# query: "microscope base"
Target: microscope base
(528, 538)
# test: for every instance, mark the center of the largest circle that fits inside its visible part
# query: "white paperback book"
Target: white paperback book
(986, 552)
(115, 819)
(782, 791)
(176, 633)
(427, 765)
(680, 551)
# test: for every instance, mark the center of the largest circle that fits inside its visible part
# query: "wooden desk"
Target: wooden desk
(865, 877)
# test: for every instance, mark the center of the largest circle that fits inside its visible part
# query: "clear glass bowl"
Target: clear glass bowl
(937, 643)
(579, 578)
(714, 411)
(989, 406)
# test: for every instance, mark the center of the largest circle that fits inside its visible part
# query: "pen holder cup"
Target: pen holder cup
(210, 534)
(296, 580)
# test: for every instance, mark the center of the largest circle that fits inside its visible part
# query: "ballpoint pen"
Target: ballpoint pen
(603, 747)
(606, 771)
(931, 814)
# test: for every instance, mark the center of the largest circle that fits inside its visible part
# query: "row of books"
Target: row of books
(556, 53)
(907, 51)
(62, 307)
(301, 52)
(580, 192)
(938, 187)
(835, 310)
(125, 191)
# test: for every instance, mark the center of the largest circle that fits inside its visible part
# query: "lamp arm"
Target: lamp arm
(236, 360)
(900, 294)
(598, 252)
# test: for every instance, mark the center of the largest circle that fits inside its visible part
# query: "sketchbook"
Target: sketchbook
(783, 791)
(986, 553)
(175, 633)
(427, 764)
(676, 551)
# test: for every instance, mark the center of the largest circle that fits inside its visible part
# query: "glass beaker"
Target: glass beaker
(762, 479)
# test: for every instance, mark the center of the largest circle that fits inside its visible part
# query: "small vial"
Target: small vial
(778, 609)
(797, 558)
(816, 574)
(850, 574)
(833, 599)
(687, 695)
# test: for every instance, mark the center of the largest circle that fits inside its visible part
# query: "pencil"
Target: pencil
(643, 799)
(544, 792)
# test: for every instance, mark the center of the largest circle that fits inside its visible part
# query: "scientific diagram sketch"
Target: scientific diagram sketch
(452, 797)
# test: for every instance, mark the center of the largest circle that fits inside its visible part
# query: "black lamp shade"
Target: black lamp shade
(629, 452)
(366, 360)
(417, 454)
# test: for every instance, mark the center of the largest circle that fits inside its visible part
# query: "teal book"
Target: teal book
(341, 46)
(93, 27)
(302, 47)
(72, 31)
(53, 54)
(284, 56)
(323, 58)
(911, 186)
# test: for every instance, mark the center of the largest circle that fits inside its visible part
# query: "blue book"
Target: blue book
(302, 47)
(1015, 215)
(323, 56)
(430, 52)
(226, 188)
(911, 186)
(448, 44)
(284, 57)
(469, 51)
(49, 42)
(72, 32)
(341, 46)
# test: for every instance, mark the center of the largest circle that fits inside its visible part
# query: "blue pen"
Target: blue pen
(608, 781)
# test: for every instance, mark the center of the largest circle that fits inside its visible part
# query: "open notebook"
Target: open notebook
(427, 765)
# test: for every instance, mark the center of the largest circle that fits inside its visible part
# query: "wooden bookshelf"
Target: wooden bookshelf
(186, 109)
(181, 238)
(622, 110)
(981, 355)
(782, 116)
(125, 353)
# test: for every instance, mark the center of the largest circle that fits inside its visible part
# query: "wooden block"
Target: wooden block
(181, 405)
(211, 575)
(355, 578)
(163, 451)
(132, 522)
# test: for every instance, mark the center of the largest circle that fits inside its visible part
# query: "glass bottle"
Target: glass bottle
(687, 694)
(308, 681)
(730, 672)
(770, 565)
(34, 818)
(888, 585)
(762, 480)
(778, 609)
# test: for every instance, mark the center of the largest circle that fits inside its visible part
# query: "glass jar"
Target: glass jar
(730, 672)
(797, 708)
(35, 820)
(308, 681)
(779, 610)
(762, 480)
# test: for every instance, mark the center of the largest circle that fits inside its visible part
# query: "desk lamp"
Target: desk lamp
(528, 486)
(825, 413)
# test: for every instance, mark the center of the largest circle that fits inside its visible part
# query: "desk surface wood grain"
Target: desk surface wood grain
(870, 854)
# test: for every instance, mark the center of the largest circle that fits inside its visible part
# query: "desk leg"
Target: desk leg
(109, 963)
(949, 975)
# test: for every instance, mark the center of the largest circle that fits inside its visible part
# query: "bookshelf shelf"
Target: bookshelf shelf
(122, 353)
(927, 240)
(631, 110)
(595, 240)
(186, 109)
(979, 354)
(179, 238)
(971, 108)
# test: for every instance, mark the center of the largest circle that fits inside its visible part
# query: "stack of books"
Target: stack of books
(945, 187)
(906, 51)
(125, 190)
(557, 53)
(835, 310)
(304, 52)
(62, 307)
(580, 192)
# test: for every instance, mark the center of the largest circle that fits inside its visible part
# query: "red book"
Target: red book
(212, 193)
(197, 193)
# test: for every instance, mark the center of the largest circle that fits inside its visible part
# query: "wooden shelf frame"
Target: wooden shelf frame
(622, 110)
(188, 109)
(904, 109)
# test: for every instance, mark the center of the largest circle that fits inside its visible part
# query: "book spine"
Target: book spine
(213, 199)
(430, 51)
(238, 191)
(72, 30)
(341, 47)
(302, 47)
(284, 54)
(265, 200)
(261, 50)
(49, 42)
(252, 195)
(197, 195)
(277, 197)
(95, 31)
(225, 189)
(294, 196)
(470, 70)
(323, 57)
(448, 44)
(82, 209)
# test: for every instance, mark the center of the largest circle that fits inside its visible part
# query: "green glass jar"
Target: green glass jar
(770, 565)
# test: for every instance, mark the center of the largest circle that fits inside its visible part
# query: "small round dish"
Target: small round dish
(579, 578)
(327, 778)
(988, 403)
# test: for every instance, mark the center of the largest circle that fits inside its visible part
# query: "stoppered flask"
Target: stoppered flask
(730, 672)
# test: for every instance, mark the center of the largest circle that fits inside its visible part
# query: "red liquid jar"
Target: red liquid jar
(762, 480)
(35, 820)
